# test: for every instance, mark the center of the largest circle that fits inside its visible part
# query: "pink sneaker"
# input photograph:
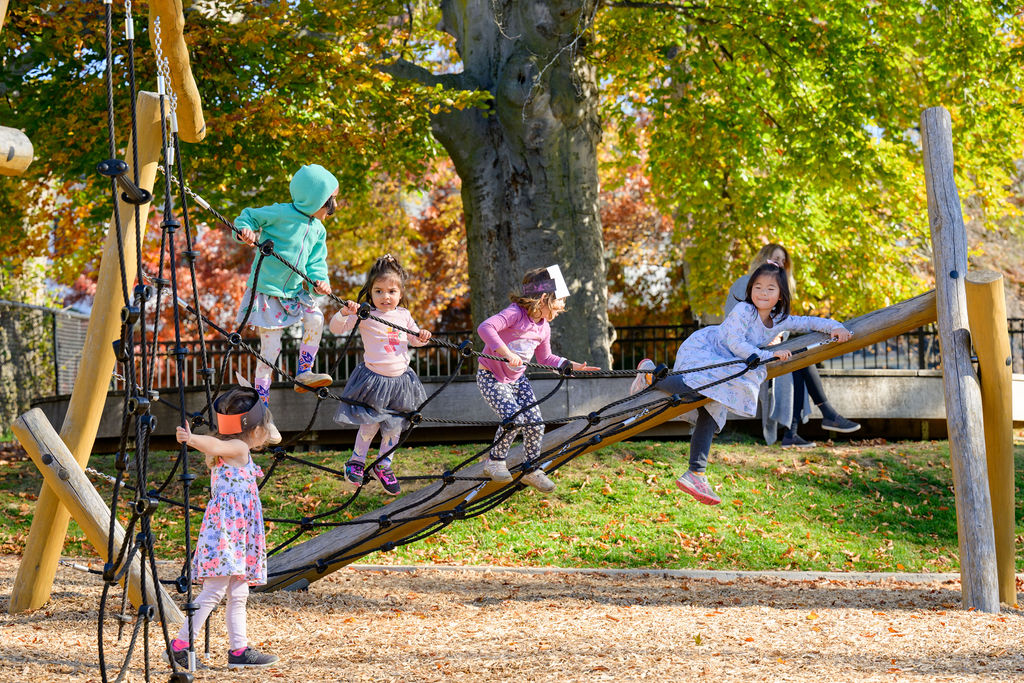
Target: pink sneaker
(697, 486)
(642, 379)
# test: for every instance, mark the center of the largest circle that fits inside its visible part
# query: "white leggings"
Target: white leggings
(214, 588)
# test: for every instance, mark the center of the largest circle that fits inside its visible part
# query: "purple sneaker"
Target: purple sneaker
(387, 479)
(354, 472)
(697, 486)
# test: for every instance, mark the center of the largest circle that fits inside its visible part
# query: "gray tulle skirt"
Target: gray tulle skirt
(383, 394)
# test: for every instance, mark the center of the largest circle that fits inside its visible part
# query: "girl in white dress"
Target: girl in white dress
(753, 323)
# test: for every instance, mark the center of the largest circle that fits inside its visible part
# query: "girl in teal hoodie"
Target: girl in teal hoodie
(278, 296)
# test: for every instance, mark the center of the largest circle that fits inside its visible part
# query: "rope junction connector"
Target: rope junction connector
(144, 292)
(659, 373)
(465, 348)
(753, 360)
(364, 311)
(120, 350)
(565, 369)
(267, 247)
(130, 192)
(138, 405)
(146, 506)
(130, 315)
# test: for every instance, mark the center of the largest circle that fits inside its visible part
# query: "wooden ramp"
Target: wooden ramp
(441, 503)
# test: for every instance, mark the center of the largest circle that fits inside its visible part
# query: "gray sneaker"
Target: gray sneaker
(840, 424)
(181, 659)
(497, 470)
(250, 658)
(538, 480)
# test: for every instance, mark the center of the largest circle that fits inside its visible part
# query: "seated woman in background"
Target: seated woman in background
(784, 399)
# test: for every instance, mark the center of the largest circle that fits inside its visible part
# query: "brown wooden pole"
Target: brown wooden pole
(986, 307)
(962, 393)
(16, 151)
(69, 481)
(360, 536)
(191, 124)
(50, 522)
(3, 12)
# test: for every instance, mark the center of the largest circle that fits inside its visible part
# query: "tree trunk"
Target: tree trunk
(529, 164)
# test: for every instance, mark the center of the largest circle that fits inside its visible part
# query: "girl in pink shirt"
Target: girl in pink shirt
(383, 383)
(518, 334)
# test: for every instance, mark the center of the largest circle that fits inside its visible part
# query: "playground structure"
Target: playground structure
(982, 463)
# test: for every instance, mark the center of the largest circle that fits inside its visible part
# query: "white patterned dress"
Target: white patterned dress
(231, 540)
(739, 336)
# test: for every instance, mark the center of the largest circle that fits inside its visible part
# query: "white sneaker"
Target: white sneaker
(643, 379)
(538, 480)
(497, 470)
(273, 436)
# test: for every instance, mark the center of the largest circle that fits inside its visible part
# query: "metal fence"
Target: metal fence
(916, 350)
(40, 351)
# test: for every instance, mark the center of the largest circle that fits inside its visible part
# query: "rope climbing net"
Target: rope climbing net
(454, 494)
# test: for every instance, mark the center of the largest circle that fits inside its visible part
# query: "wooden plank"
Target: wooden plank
(361, 536)
(16, 151)
(191, 123)
(50, 521)
(962, 393)
(68, 480)
(986, 308)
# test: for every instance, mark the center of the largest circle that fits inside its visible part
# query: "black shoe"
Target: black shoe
(797, 441)
(250, 658)
(840, 424)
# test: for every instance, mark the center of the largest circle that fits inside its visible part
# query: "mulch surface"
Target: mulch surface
(431, 625)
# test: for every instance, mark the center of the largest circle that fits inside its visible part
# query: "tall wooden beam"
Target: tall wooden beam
(962, 393)
(361, 535)
(50, 522)
(68, 480)
(986, 307)
(191, 124)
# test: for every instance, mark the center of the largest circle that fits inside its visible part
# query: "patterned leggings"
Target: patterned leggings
(506, 399)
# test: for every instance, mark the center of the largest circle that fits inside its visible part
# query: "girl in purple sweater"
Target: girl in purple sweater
(517, 334)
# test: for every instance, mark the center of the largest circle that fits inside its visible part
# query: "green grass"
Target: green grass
(869, 506)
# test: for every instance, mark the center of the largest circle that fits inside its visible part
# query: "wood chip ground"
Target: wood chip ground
(431, 625)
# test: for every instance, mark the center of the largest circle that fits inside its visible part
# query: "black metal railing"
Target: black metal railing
(915, 350)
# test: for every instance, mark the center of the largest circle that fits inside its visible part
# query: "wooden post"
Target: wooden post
(191, 124)
(986, 308)
(67, 478)
(962, 393)
(3, 12)
(360, 536)
(15, 151)
(50, 522)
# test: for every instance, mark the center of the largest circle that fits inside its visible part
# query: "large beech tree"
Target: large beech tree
(792, 121)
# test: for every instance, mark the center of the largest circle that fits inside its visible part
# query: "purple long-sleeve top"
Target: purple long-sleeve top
(526, 338)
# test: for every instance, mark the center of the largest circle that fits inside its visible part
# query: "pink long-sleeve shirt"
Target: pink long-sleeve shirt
(513, 328)
(385, 349)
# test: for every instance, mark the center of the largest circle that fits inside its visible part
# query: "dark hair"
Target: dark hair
(533, 302)
(781, 309)
(331, 205)
(386, 266)
(238, 401)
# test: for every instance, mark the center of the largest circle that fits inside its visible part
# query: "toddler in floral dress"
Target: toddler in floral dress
(231, 552)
